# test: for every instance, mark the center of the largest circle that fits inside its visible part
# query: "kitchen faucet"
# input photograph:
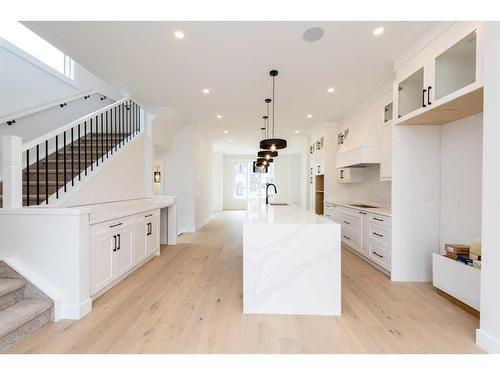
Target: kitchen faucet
(267, 195)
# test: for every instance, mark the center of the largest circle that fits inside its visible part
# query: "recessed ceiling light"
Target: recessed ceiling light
(179, 34)
(219, 116)
(206, 90)
(226, 131)
(309, 116)
(297, 131)
(331, 89)
(378, 31)
(313, 34)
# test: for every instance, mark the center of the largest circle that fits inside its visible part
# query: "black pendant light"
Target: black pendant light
(267, 154)
(258, 168)
(272, 143)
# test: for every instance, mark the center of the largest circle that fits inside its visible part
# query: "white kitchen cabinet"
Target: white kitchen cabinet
(101, 262)
(350, 175)
(118, 246)
(386, 153)
(366, 233)
(123, 254)
(443, 82)
(153, 235)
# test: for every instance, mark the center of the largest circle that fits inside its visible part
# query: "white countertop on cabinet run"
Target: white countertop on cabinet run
(111, 211)
(291, 261)
(385, 211)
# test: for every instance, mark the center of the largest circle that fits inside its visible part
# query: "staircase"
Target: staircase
(23, 308)
(56, 163)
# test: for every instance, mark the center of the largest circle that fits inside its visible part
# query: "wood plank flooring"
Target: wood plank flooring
(189, 300)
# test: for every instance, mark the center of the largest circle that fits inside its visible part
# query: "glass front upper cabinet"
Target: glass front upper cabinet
(410, 93)
(455, 68)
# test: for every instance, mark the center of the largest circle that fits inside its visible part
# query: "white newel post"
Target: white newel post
(12, 170)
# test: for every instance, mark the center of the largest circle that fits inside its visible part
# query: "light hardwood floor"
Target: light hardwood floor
(189, 300)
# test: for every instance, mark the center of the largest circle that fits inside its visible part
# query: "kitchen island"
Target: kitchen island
(291, 261)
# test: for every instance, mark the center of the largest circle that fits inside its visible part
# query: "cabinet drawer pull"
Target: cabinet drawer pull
(429, 95)
(347, 238)
(149, 215)
(380, 256)
(119, 242)
(376, 218)
(114, 243)
(377, 234)
(346, 222)
(362, 213)
(115, 225)
(423, 98)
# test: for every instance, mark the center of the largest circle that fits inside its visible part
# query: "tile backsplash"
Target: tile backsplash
(372, 190)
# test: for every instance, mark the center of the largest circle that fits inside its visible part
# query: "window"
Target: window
(248, 184)
(23, 38)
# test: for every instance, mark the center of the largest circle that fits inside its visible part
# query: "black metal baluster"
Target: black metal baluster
(119, 125)
(91, 147)
(27, 177)
(129, 113)
(64, 153)
(107, 136)
(97, 140)
(37, 174)
(85, 130)
(72, 160)
(114, 130)
(46, 171)
(102, 138)
(79, 156)
(57, 166)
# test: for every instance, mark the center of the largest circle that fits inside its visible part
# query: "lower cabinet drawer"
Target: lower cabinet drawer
(379, 233)
(351, 238)
(379, 255)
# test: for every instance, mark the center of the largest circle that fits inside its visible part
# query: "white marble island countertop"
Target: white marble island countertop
(291, 261)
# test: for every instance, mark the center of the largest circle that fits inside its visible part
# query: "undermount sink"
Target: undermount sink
(363, 206)
(279, 204)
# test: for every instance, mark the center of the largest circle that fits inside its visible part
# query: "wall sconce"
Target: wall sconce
(157, 175)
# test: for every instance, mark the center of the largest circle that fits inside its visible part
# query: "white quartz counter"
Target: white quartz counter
(111, 211)
(259, 212)
(291, 261)
(385, 211)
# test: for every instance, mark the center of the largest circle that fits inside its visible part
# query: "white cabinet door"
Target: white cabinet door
(386, 153)
(153, 236)
(140, 241)
(365, 249)
(124, 259)
(101, 262)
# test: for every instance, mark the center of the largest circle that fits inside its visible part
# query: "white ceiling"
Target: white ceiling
(145, 60)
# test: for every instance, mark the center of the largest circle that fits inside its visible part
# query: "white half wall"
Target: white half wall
(119, 178)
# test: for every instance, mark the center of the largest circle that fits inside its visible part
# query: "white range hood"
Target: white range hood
(360, 138)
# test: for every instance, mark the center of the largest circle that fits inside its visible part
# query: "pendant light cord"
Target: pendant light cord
(273, 105)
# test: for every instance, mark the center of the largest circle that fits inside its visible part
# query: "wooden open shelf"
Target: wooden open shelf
(319, 196)
(456, 109)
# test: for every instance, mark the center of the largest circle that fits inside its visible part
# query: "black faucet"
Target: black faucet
(267, 195)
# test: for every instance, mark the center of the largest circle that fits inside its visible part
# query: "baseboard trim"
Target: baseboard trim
(76, 312)
(487, 342)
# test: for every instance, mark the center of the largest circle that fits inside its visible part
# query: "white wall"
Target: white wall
(217, 180)
(29, 83)
(488, 336)
(119, 178)
(461, 173)
(188, 171)
(165, 123)
(204, 183)
(416, 194)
